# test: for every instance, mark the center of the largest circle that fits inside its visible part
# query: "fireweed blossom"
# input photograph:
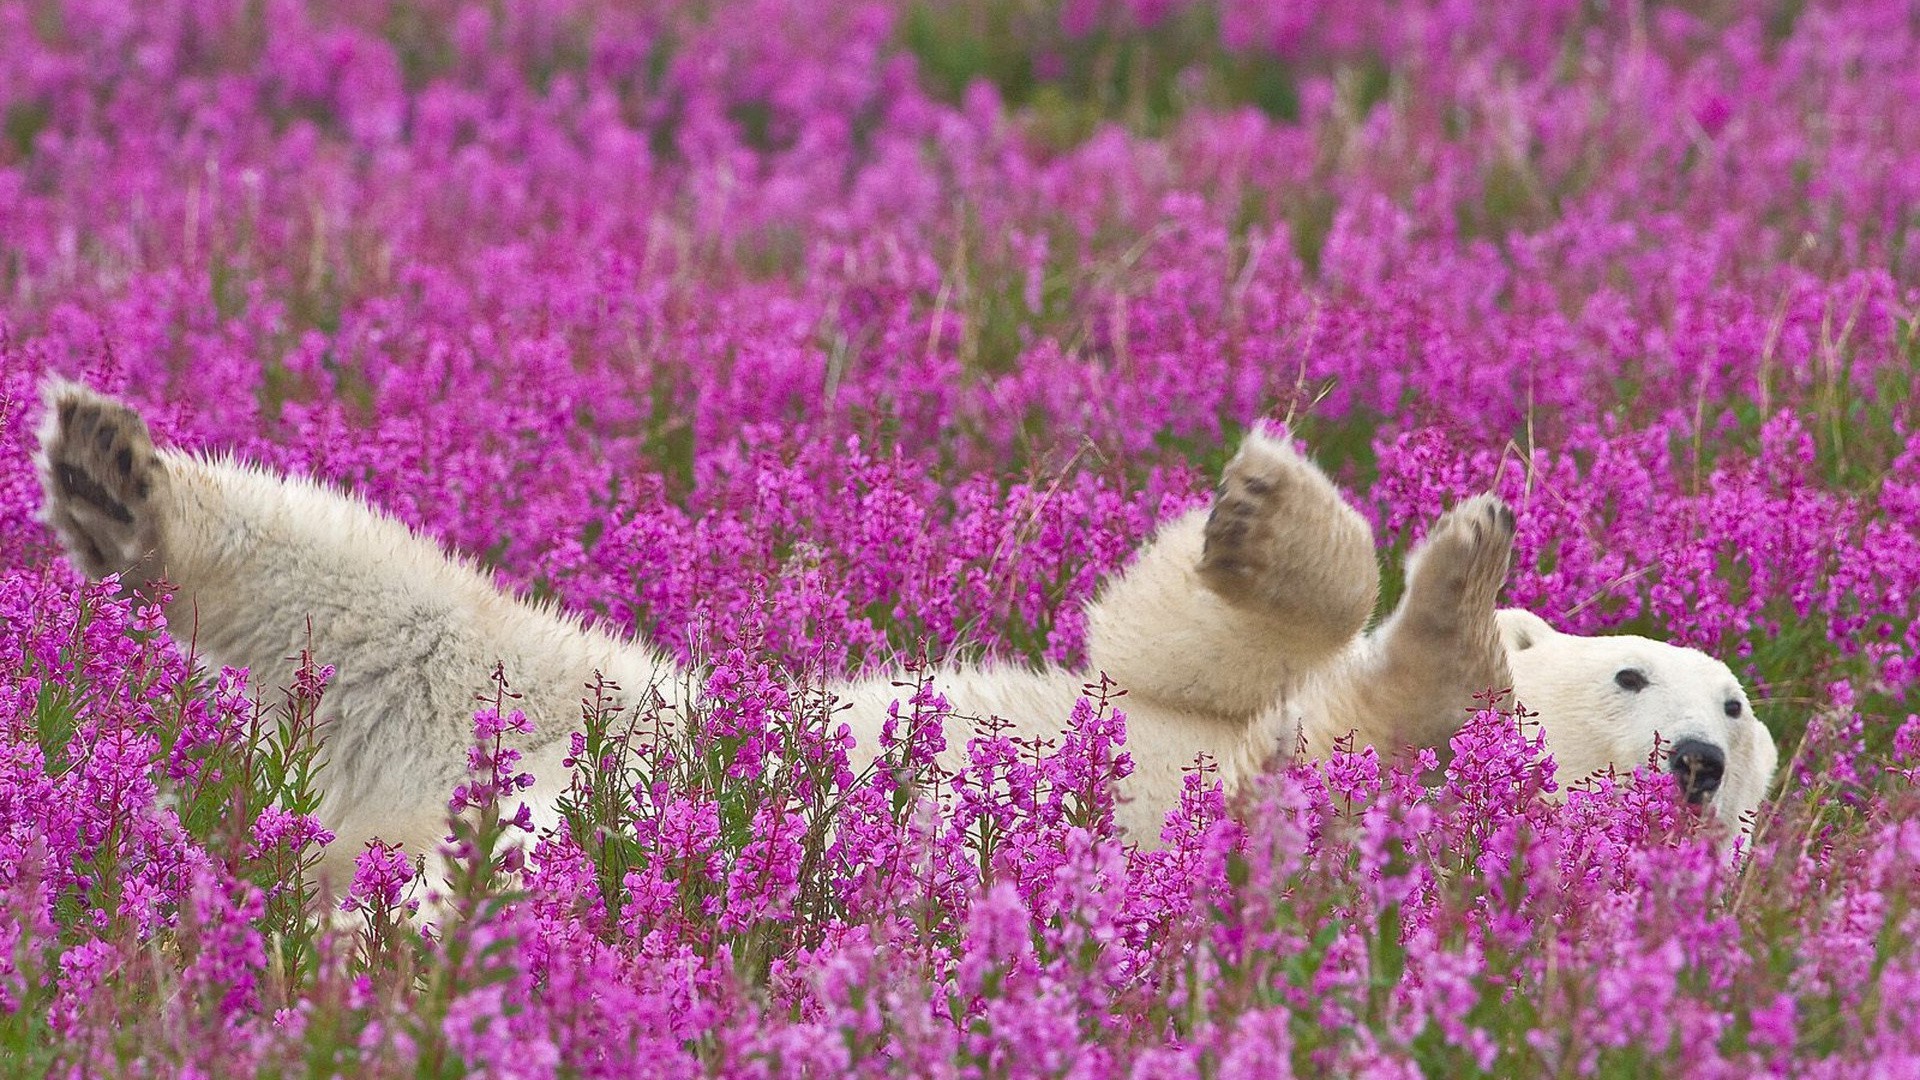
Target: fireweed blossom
(807, 338)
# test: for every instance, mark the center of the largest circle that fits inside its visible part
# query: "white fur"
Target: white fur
(1238, 633)
(1593, 724)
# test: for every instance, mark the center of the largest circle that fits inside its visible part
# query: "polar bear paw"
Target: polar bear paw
(1280, 539)
(101, 475)
(1464, 560)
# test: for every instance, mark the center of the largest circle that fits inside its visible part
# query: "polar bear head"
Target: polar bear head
(1603, 700)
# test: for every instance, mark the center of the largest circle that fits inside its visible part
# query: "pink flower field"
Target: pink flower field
(806, 337)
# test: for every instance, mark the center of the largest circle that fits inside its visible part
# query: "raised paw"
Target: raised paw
(100, 474)
(1239, 540)
(1442, 646)
(1465, 557)
(1281, 539)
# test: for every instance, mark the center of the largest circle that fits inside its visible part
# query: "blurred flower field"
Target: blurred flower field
(805, 337)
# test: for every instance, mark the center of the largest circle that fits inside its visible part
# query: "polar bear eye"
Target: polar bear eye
(1631, 679)
(1733, 708)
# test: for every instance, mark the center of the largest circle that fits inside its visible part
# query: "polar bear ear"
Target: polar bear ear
(1521, 630)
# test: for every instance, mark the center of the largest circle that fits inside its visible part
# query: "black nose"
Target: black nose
(1699, 767)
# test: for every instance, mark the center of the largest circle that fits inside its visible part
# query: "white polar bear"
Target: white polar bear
(1239, 632)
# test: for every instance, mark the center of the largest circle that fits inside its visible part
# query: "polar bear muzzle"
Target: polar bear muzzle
(1699, 766)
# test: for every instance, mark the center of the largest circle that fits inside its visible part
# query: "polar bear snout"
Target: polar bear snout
(1699, 766)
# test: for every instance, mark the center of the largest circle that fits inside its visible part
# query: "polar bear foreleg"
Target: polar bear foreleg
(1441, 647)
(1228, 607)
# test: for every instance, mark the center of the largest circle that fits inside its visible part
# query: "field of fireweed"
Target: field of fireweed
(802, 336)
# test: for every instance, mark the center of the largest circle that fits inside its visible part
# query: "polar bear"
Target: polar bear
(1239, 632)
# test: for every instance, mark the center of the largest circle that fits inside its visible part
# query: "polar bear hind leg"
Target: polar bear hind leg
(102, 478)
(263, 566)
